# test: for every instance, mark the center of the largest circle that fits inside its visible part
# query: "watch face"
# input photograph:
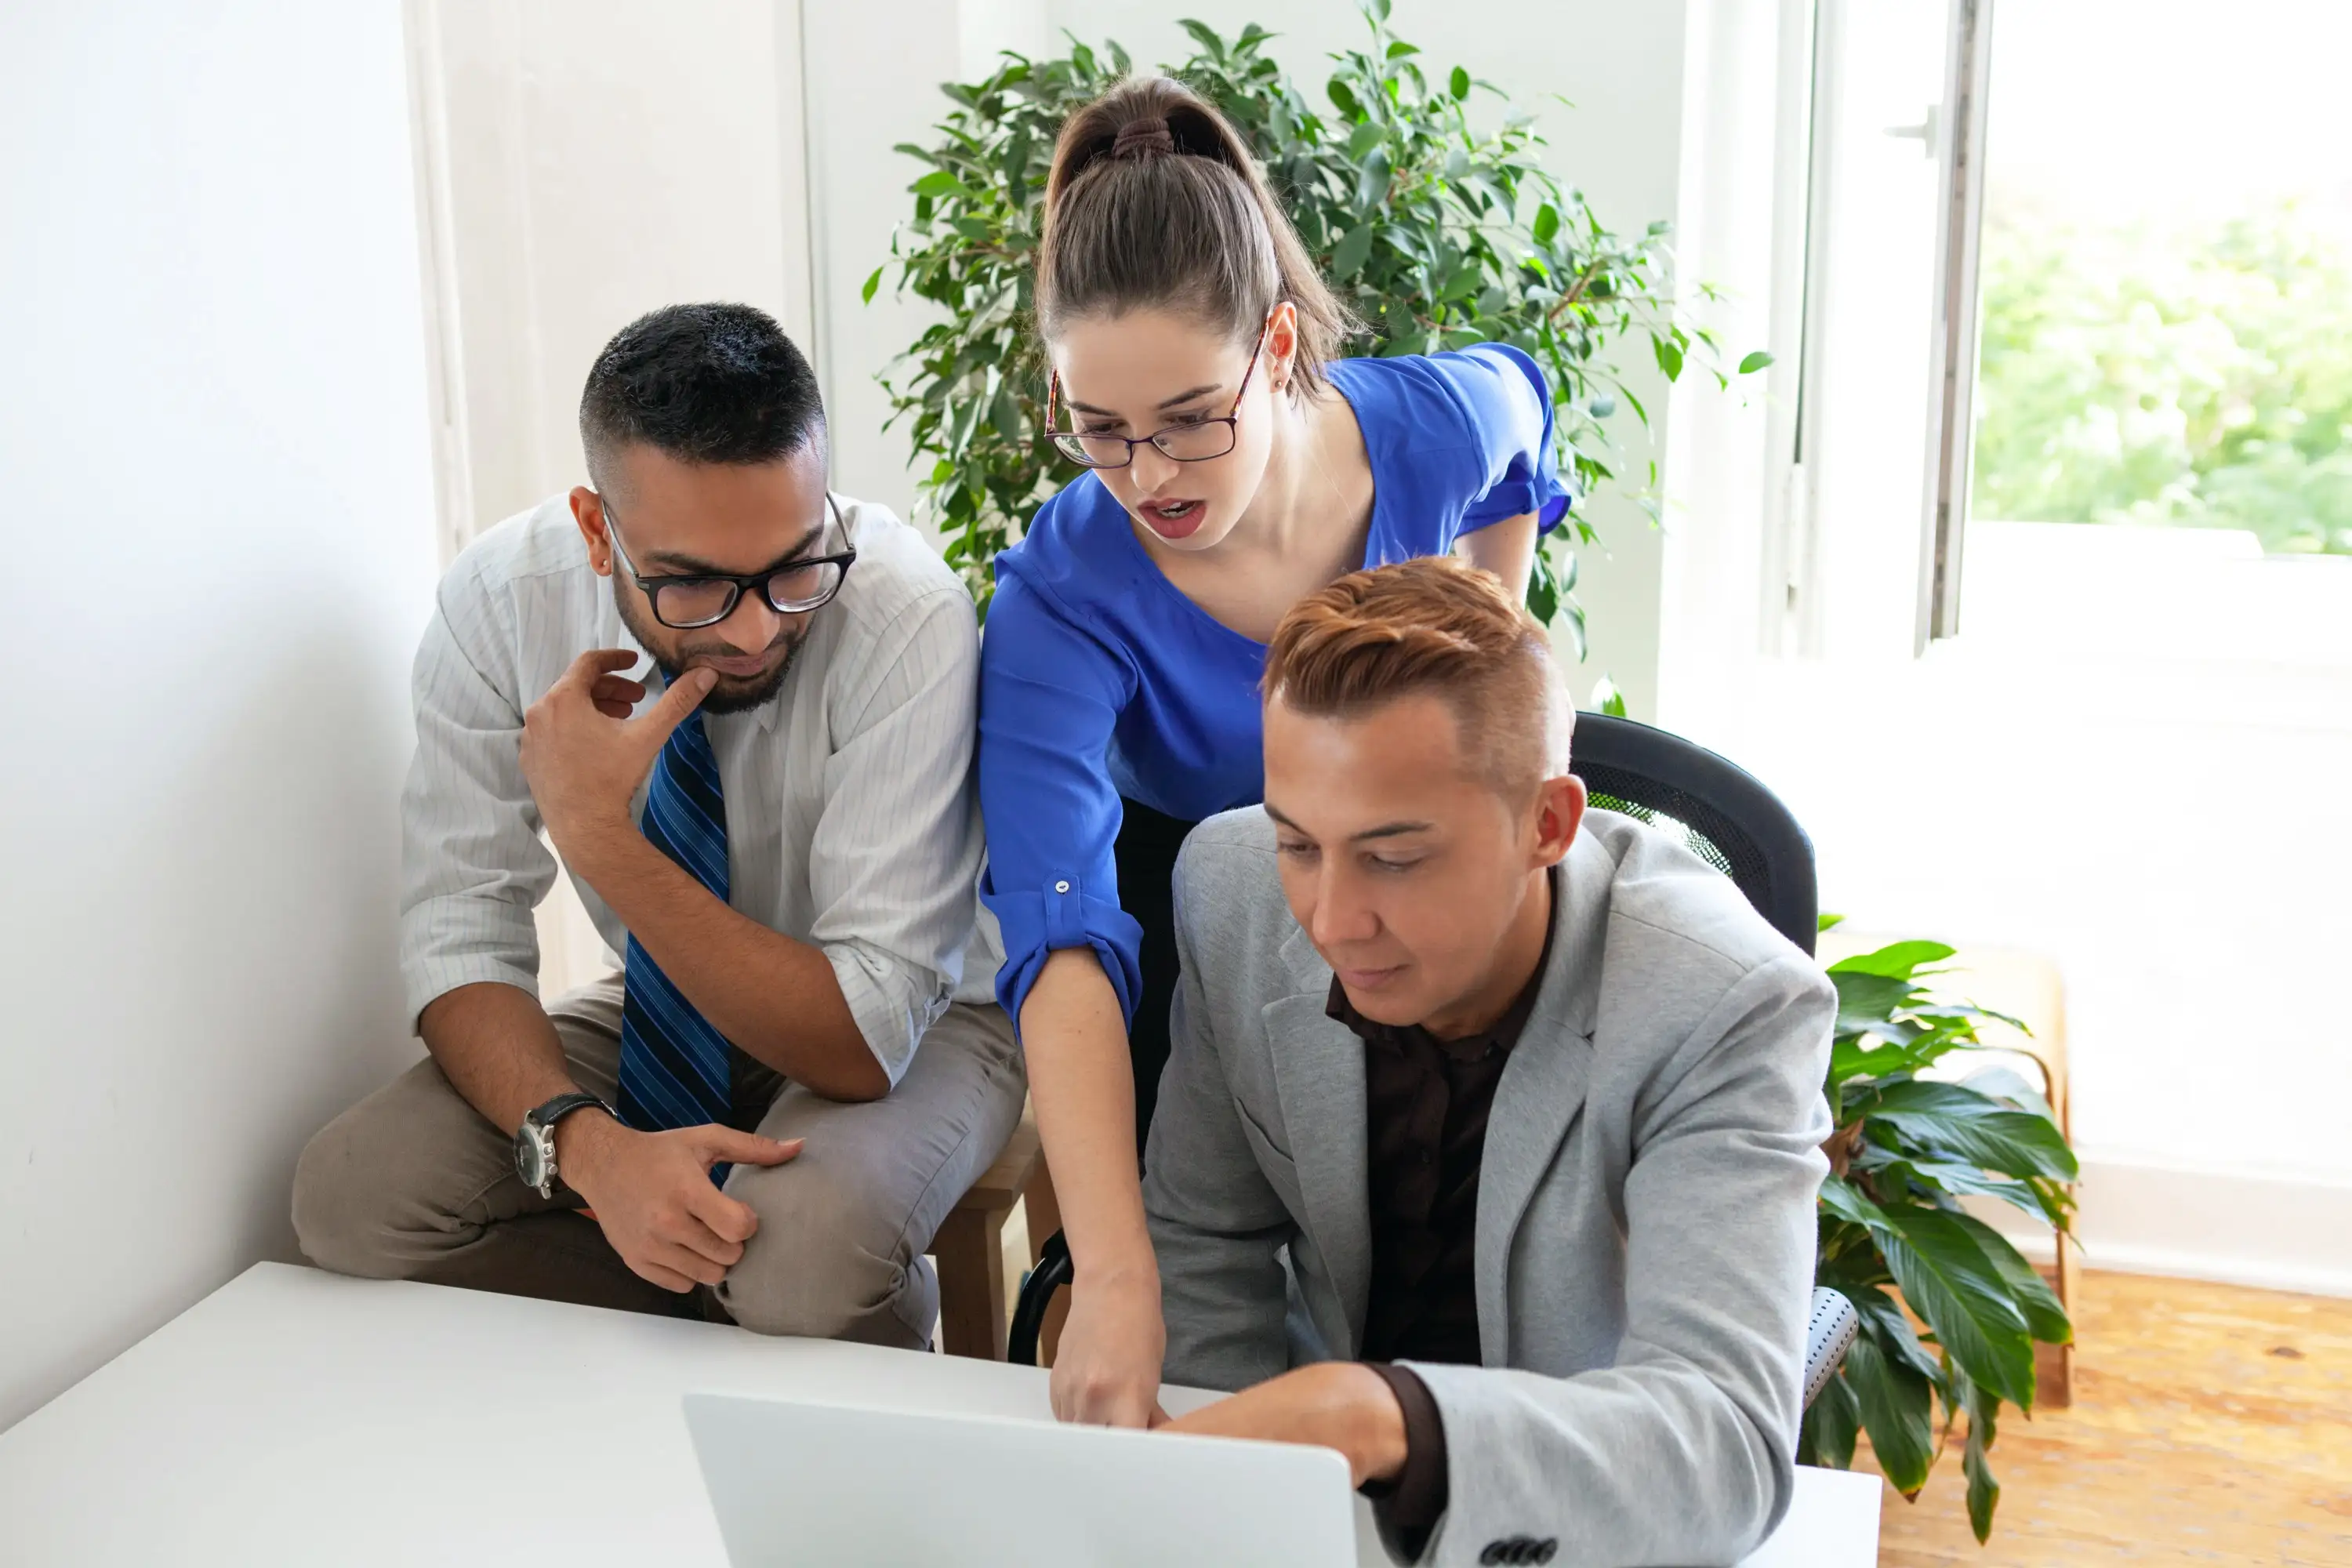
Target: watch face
(530, 1156)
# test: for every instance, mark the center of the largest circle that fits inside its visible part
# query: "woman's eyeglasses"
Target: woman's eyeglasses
(685, 603)
(1192, 441)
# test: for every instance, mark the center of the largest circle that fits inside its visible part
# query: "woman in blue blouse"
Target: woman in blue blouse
(1237, 466)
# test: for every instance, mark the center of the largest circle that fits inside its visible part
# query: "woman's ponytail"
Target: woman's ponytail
(1154, 202)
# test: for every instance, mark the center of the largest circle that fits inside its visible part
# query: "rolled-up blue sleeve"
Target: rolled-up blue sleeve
(1508, 403)
(1050, 692)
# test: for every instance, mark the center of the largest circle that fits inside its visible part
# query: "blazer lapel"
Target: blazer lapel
(1543, 1084)
(1319, 1072)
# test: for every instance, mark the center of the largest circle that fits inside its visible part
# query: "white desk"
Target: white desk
(299, 1417)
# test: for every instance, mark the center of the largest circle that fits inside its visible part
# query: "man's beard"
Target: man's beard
(733, 694)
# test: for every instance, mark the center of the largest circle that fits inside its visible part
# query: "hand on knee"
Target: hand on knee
(652, 1194)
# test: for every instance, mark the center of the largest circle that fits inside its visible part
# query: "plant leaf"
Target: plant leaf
(2009, 1087)
(1755, 361)
(1348, 255)
(2045, 1316)
(1948, 1281)
(1984, 1492)
(1843, 1199)
(1893, 1402)
(1204, 36)
(1867, 999)
(1895, 961)
(1832, 1423)
(1458, 84)
(1957, 1120)
(866, 295)
(1883, 1320)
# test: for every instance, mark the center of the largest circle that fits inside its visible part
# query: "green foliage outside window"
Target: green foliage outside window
(2199, 377)
(1437, 229)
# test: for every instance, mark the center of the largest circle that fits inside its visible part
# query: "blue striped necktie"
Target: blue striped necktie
(674, 1071)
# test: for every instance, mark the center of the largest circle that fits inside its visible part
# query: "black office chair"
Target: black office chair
(1730, 820)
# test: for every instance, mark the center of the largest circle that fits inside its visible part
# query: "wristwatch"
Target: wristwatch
(534, 1141)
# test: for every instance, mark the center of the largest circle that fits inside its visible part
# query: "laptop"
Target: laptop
(829, 1484)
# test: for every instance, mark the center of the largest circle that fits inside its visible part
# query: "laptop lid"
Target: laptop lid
(828, 1484)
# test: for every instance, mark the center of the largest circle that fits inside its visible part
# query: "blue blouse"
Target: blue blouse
(1098, 677)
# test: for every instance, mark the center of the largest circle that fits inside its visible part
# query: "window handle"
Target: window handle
(1923, 133)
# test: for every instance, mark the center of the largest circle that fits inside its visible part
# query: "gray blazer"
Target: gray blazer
(1645, 1211)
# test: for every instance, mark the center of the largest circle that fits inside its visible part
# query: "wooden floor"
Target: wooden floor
(2211, 1426)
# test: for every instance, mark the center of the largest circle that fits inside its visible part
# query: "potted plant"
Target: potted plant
(1435, 231)
(1950, 1309)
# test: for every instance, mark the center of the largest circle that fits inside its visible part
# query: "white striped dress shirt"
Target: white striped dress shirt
(851, 819)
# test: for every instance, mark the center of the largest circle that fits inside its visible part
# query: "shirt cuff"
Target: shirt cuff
(1409, 1506)
(1034, 926)
(891, 1018)
(426, 980)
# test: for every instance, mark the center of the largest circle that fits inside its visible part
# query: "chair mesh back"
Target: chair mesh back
(1709, 834)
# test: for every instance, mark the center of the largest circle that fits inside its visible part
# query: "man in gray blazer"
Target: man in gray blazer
(1489, 1147)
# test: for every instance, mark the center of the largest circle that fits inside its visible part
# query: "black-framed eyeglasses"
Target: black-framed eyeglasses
(684, 603)
(1193, 441)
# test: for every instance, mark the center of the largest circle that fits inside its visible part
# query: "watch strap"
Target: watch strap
(563, 1105)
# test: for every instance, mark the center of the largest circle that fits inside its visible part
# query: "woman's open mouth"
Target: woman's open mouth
(1172, 519)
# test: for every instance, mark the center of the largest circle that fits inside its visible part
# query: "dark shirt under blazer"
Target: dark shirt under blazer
(1426, 1102)
(1644, 1236)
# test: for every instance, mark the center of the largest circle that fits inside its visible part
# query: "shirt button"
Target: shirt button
(1061, 887)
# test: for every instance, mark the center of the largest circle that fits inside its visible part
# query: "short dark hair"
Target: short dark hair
(704, 384)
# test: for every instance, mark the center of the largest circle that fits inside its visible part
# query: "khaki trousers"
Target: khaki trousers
(413, 1183)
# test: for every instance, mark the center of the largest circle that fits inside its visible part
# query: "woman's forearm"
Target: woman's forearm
(1082, 1085)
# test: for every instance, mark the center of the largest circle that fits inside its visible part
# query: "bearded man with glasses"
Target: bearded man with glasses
(765, 1112)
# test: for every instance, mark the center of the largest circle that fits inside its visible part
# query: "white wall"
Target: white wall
(874, 73)
(2133, 761)
(585, 163)
(218, 525)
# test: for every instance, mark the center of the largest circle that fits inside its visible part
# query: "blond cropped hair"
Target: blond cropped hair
(1434, 625)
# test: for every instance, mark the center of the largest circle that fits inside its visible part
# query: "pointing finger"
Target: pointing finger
(747, 1148)
(684, 696)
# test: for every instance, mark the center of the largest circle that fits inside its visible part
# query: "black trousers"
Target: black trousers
(1146, 855)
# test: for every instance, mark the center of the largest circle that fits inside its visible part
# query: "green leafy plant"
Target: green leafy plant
(1910, 1143)
(1436, 230)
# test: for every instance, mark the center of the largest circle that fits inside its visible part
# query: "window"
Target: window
(2163, 314)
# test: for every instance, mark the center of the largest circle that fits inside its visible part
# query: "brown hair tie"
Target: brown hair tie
(1142, 138)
